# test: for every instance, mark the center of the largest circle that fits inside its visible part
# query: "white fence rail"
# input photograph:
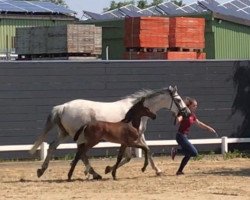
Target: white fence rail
(224, 141)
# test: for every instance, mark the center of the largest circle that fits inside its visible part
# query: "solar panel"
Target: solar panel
(151, 11)
(53, 7)
(129, 13)
(170, 8)
(109, 16)
(91, 15)
(7, 7)
(117, 13)
(193, 8)
(131, 7)
(32, 6)
(225, 9)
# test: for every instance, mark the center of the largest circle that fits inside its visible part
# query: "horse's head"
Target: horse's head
(136, 112)
(177, 105)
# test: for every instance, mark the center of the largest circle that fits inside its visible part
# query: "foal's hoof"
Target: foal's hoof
(39, 173)
(108, 169)
(97, 177)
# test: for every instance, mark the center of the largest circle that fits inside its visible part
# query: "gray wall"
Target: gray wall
(28, 91)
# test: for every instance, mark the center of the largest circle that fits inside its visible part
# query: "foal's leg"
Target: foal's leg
(89, 168)
(80, 149)
(128, 156)
(153, 165)
(119, 158)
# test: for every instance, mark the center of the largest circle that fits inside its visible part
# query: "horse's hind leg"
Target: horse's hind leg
(127, 158)
(51, 150)
(80, 149)
(119, 158)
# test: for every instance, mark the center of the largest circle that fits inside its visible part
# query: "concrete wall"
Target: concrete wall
(28, 91)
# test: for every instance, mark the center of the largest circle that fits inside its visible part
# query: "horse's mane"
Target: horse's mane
(147, 94)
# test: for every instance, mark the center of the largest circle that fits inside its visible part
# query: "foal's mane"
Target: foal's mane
(147, 94)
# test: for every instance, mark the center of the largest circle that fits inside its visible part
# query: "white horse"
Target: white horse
(70, 116)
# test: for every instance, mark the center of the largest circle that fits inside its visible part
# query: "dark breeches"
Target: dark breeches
(186, 148)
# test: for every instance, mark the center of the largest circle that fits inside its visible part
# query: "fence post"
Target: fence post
(138, 152)
(224, 145)
(43, 150)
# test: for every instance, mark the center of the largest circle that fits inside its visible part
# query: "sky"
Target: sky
(97, 6)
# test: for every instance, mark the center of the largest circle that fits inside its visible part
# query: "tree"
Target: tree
(178, 3)
(142, 4)
(156, 2)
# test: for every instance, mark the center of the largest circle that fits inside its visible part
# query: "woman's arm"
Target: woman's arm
(204, 126)
(179, 119)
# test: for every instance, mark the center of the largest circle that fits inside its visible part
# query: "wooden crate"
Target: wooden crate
(67, 39)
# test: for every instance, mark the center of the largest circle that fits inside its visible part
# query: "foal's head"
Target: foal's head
(136, 112)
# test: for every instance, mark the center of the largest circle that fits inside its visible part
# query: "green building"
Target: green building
(28, 14)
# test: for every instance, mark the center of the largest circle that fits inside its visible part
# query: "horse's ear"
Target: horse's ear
(170, 88)
(175, 88)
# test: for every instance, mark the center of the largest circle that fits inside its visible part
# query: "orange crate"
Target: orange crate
(148, 41)
(178, 55)
(146, 32)
(201, 56)
(145, 56)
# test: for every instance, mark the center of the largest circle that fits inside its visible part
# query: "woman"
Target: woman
(181, 137)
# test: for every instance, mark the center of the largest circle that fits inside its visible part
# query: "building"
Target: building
(15, 14)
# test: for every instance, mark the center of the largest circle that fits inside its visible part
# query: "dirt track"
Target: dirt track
(210, 178)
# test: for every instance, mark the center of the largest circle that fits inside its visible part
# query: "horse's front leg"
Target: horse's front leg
(153, 165)
(119, 158)
(80, 149)
(127, 158)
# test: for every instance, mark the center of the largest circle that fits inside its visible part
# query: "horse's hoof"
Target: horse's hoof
(114, 178)
(39, 173)
(69, 180)
(143, 169)
(108, 169)
(97, 177)
(160, 173)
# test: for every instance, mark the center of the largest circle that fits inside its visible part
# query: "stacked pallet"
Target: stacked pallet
(67, 40)
(146, 34)
(186, 35)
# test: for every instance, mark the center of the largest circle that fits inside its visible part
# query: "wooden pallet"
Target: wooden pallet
(145, 49)
(182, 49)
(57, 56)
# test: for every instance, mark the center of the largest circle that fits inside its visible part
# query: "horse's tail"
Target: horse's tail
(52, 119)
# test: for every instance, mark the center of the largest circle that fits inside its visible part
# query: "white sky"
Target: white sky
(97, 6)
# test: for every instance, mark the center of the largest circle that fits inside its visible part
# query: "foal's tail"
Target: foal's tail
(52, 119)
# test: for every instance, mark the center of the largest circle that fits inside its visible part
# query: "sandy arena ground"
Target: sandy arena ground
(207, 179)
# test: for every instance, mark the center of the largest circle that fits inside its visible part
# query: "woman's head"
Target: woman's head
(191, 103)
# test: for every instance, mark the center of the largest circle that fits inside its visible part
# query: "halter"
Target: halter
(182, 111)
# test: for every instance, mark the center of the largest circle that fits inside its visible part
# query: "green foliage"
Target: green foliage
(142, 4)
(234, 154)
(198, 157)
(178, 3)
(156, 2)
